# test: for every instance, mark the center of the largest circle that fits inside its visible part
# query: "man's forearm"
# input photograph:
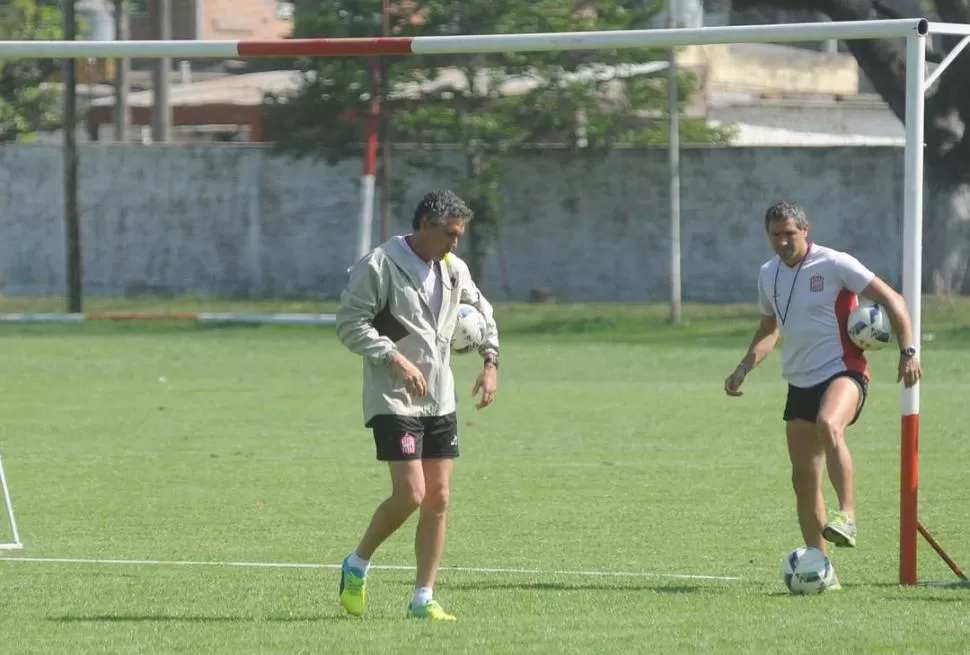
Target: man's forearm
(761, 345)
(899, 319)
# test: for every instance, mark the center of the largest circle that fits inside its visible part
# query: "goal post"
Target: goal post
(8, 516)
(913, 30)
(916, 87)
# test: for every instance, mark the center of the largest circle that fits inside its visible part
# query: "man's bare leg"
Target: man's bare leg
(808, 462)
(839, 405)
(407, 494)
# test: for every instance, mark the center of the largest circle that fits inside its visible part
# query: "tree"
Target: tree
(571, 99)
(26, 105)
(946, 244)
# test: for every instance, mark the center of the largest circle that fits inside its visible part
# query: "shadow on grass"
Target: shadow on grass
(139, 329)
(947, 591)
(612, 587)
(194, 618)
(703, 326)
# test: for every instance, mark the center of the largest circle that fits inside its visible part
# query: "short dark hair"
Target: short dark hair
(782, 211)
(440, 206)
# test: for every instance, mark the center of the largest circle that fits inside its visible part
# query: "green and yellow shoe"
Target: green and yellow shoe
(352, 583)
(430, 610)
(840, 530)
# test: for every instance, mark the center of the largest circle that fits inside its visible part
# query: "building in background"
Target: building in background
(216, 20)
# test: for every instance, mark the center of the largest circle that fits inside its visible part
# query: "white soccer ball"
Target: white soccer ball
(806, 570)
(469, 332)
(869, 327)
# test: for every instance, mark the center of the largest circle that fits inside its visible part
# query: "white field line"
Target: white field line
(297, 565)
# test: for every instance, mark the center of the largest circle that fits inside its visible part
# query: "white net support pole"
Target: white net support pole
(15, 544)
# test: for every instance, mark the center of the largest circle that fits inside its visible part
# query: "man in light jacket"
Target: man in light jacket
(398, 313)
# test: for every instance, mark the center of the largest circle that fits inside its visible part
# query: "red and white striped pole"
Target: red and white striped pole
(912, 291)
(367, 182)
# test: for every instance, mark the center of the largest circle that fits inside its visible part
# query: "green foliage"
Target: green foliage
(588, 101)
(26, 105)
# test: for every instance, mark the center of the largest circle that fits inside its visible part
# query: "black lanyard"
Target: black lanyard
(791, 292)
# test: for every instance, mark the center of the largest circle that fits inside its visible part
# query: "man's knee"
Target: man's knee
(408, 490)
(409, 496)
(436, 499)
(804, 477)
(831, 431)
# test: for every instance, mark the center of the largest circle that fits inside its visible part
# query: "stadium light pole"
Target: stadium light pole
(161, 104)
(72, 218)
(122, 117)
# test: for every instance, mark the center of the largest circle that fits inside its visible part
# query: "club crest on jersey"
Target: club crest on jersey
(816, 283)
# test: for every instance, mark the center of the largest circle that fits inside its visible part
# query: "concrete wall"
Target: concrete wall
(237, 221)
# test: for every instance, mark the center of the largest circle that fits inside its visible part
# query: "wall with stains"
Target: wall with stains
(236, 221)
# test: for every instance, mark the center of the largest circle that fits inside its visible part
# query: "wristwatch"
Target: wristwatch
(491, 359)
(908, 351)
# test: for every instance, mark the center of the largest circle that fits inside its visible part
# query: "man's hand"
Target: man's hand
(910, 370)
(732, 384)
(487, 382)
(410, 374)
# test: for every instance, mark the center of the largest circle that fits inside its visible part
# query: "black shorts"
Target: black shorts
(403, 438)
(804, 402)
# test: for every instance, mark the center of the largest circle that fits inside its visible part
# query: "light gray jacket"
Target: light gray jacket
(385, 309)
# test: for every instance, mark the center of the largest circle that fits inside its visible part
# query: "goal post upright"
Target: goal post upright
(912, 292)
(15, 544)
(917, 83)
(913, 30)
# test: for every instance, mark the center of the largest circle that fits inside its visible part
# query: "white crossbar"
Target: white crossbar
(665, 38)
(947, 28)
(118, 49)
(478, 43)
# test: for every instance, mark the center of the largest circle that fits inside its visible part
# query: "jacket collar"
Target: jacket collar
(400, 253)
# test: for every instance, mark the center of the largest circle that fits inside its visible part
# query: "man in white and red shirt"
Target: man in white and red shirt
(806, 293)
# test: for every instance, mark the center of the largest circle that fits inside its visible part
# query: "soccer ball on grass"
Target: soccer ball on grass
(806, 570)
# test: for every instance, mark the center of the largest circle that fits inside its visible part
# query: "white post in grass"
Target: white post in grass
(673, 162)
(8, 501)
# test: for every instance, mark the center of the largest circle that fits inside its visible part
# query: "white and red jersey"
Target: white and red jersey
(812, 301)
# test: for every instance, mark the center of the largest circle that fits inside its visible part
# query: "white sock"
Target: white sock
(422, 596)
(356, 562)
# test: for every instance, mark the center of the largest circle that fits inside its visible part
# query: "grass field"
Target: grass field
(612, 500)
